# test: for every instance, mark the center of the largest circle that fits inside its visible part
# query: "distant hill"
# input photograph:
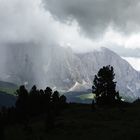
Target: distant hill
(7, 99)
(79, 97)
(8, 87)
(7, 96)
(71, 71)
(64, 70)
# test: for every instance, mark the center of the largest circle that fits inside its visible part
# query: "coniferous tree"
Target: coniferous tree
(38, 103)
(21, 103)
(104, 86)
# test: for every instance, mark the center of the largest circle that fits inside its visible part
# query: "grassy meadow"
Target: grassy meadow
(79, 122)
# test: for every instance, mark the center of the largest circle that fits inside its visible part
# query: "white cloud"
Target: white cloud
(118, 38)
(28, 21)
(133, 41)
(135, 62)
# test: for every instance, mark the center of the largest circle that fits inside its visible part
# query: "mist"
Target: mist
(28, 31)
(24, 31)
(31, 28)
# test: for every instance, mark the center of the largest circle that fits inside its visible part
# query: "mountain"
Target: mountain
(65, 70)
(69, 71)
(7, 100)
(7, 91)
(7, 97)
(7, 85)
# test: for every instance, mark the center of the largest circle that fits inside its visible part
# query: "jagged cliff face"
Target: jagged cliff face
(69, 71)
(63, 69)
(128, 79)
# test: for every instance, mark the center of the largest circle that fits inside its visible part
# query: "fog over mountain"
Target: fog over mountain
(58, 43)
(63, 69)
(71, 71)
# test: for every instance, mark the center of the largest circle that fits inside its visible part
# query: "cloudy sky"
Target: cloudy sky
(83, 25)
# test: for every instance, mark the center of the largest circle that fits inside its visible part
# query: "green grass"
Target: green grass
(79, 122)
(8, 90)
(86, 96)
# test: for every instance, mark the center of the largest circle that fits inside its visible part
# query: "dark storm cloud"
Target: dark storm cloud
(94, 16)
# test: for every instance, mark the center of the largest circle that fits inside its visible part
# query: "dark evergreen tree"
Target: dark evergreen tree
(35, 103)
(2, 121)
(21, 103)
(93, 105)
(104, 86)
(63, 101)
(55, 97)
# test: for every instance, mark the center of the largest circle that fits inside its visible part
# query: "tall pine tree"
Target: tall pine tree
(104, 86)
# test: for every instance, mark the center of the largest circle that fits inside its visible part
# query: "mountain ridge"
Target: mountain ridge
(64, 70)
(75, 68)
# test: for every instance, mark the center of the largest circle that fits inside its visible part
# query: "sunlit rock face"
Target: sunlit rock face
(63, 69)
(127, 78)
(70, 71)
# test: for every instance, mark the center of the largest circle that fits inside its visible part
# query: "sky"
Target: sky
(83, 25)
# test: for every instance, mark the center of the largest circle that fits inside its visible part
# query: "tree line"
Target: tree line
(104, 88)
(49, 104)
(34, 103)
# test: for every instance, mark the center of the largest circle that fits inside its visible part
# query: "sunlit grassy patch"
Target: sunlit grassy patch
(87, 96)
(8, 90)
